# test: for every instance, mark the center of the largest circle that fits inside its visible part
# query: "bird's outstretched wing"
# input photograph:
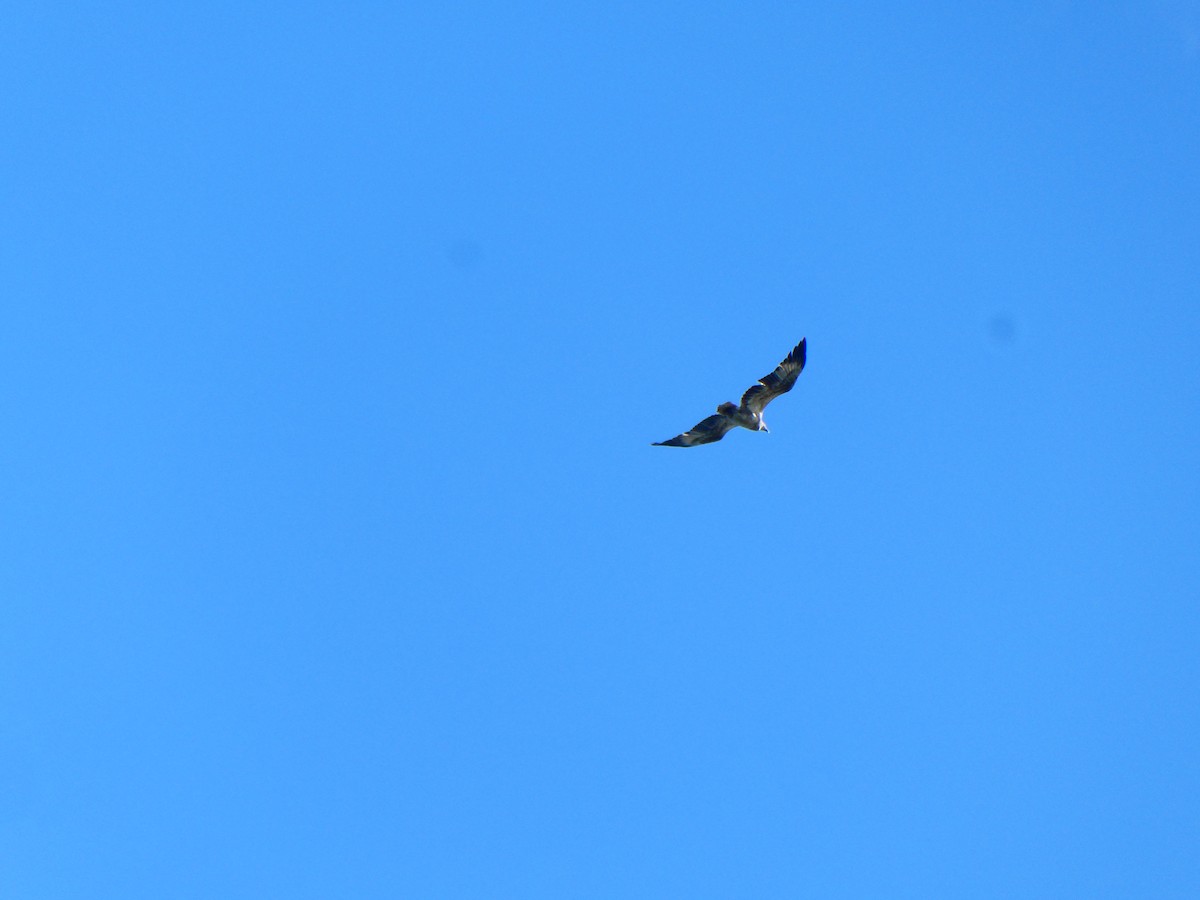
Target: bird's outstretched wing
(711, 429)
(778, 382)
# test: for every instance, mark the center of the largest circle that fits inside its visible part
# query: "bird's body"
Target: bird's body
(748, 414)
(740, 416)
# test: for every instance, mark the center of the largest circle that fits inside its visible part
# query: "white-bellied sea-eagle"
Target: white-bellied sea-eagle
(754, 401)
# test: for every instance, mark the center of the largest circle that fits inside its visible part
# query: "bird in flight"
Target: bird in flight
(754, 401)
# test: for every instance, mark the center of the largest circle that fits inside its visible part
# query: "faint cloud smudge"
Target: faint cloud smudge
(1002, 329)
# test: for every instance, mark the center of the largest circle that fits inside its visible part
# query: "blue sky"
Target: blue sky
(337, 562)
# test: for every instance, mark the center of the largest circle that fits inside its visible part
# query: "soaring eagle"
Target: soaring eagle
(754, 401)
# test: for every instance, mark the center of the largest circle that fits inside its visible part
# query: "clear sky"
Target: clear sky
(336, 561)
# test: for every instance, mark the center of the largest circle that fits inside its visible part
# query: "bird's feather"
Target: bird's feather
(711, 429)
(777, 382)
